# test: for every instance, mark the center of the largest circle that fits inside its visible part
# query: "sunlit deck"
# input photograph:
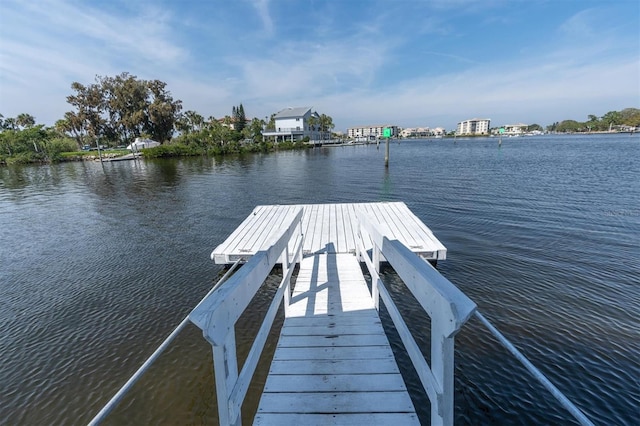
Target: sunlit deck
(331, 228)
(333, 363)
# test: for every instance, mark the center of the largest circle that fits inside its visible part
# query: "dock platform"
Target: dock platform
(331, 227)
(333, 364)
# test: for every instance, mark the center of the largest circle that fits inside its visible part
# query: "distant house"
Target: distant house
(293, 124)
(475, 126)
(515, 129)
(371, 132)
(230, 122)
(421, 132)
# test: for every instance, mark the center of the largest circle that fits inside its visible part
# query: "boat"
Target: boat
(142, 143)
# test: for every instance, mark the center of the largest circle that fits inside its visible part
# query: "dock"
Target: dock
(333, 364)
(330, 228)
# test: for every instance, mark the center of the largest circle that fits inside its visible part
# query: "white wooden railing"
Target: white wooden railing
(216, 316)
(447, 306)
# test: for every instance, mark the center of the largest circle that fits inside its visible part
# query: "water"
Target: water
(98, 264)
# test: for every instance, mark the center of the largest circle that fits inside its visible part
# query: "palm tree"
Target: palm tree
(326, 124)
(312, 122)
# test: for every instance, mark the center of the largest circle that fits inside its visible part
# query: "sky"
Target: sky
(408, 63)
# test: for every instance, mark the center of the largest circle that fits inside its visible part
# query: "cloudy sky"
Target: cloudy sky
(403, 62)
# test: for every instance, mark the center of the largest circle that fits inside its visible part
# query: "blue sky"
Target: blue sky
(404, 62)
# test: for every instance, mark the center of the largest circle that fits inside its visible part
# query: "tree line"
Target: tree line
(612, 120)
(113, 111)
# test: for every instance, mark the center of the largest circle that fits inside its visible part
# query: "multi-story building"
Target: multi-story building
(422, 132)
(371, 132)
(475, 126)
(293, 124)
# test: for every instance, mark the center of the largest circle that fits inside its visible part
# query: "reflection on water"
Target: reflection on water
(100, 262)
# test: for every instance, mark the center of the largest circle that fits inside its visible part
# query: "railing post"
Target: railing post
(442, 367)
(375, 291)
(287, 284)
(225, 367)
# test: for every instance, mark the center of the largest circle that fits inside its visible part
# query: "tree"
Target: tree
(326, 124)
(121, 108)
(239, 118)
(89, 103)
(612, 118)
(254, 130)
(25, 121)
(162, 112)
(190, 122)
(569, 126)
(313, 122)
(10, 124)
(630, 116)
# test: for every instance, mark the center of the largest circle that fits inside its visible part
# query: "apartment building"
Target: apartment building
(475, 126)
(371, 132)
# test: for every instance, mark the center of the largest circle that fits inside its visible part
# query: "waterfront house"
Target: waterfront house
(515, 129)
(293, 124)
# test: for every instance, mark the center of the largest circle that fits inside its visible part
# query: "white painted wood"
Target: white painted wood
(329, 367)
(333, 355)
(338, 402)
(218, 312)
(332, 340)
(345, 419)
(332, 227)
(244, 378)
(447, 306)
(341, 329)
(225, 366)
(335, 383)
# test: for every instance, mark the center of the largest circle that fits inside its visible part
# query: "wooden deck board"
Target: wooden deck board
(333, 363)
(352, 419)
(329, 228)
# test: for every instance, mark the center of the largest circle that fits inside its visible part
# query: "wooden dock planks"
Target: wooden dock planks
(331, 228)
(333, 363)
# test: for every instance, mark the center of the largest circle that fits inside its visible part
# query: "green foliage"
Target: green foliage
(239, 118)
(63, 144)
(172, 150)
(254, 130)
(120, 109)
(568, 126)
(612, 120)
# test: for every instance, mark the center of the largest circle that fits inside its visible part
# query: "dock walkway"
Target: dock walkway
(333, 363)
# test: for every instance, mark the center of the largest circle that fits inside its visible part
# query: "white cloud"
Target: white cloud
(262, 8)
(353, 71)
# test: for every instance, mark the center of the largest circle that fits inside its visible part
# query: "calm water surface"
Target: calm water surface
(99, 263)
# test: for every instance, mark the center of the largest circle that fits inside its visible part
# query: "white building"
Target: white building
(422, 132)
(475, 126)
(515, 129)
(293, 124)
(371, 132)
